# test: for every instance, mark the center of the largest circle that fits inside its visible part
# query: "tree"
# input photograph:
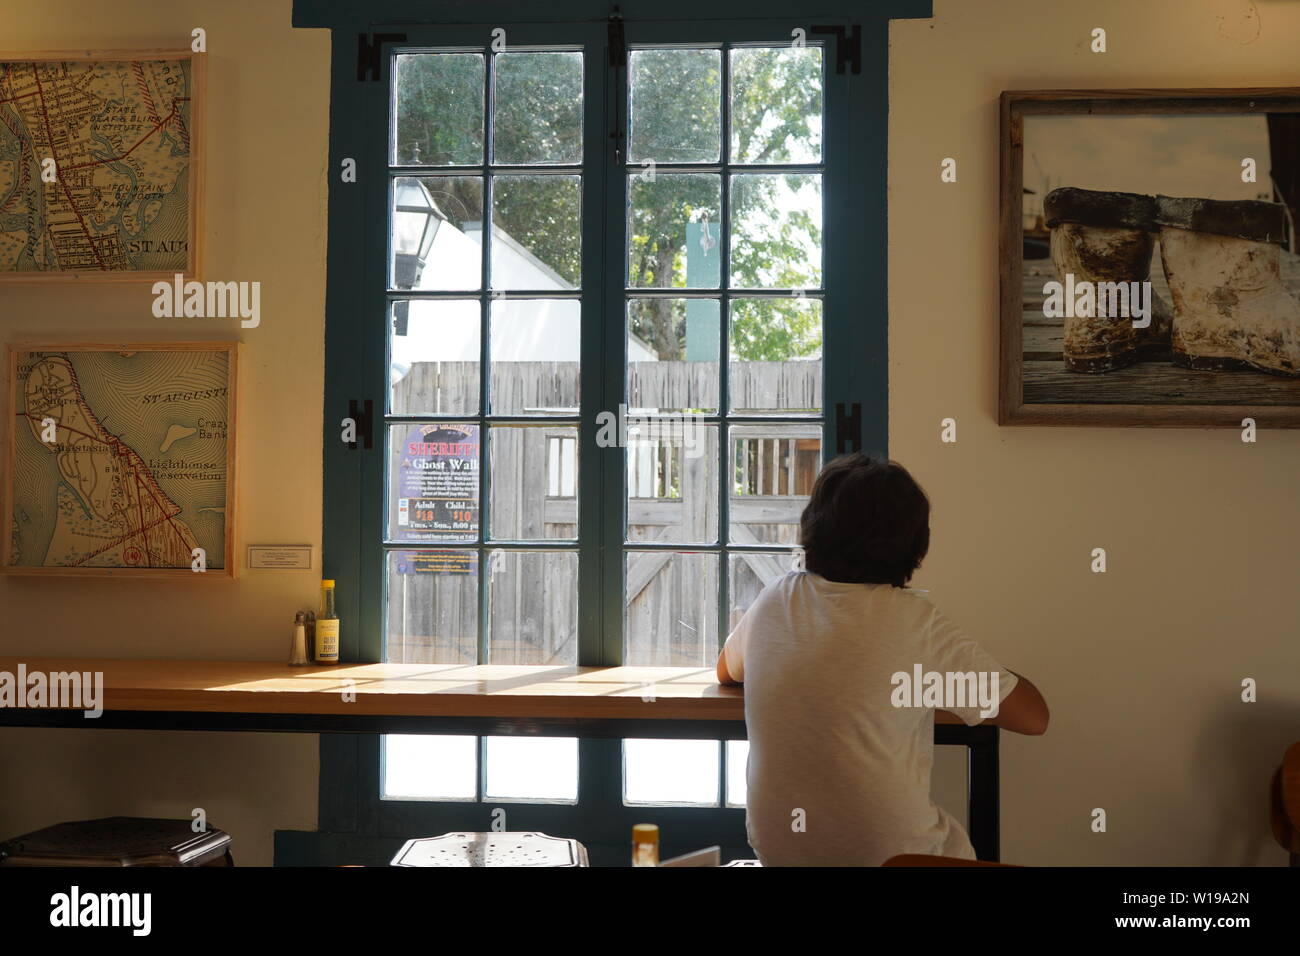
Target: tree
(776, 118)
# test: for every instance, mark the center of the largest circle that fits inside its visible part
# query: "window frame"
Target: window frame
(854, 378)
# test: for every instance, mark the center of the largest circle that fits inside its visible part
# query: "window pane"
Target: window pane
(671, 617)
(672, 355)
(672, 480)
(737, 768)
(421, 767)
(538, 103)
(432, 605)
(676, 114)
(673, 231)
(433, 482)
(773, 469)
(434, 357)
(537, 236)
(534, 769)
(536, 345)
(439, 109)
(437, 233)
(776, 231)
(776, 352)
(533, 607)
(523, 506)
(670, 772)
(776, 105)
(748, 572)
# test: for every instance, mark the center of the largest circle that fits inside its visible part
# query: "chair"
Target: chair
(119, 841)
(491, 849)
(921, 859)
(1284, 803)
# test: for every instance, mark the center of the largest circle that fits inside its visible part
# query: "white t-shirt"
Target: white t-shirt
(817, 659)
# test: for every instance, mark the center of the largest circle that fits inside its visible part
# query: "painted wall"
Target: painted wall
(267, 127)
(1141, 665)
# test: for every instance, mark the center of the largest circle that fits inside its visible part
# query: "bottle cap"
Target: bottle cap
(327, 583)
(645, 833)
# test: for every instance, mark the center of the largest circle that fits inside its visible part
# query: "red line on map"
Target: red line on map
(45, 115)
(144, 532)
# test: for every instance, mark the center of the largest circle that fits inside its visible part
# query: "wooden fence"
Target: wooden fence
(671, 610)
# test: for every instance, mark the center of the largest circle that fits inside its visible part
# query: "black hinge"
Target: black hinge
(848, 45)
(365, 421)
(617, 41)
(848, 428)
(368, 49)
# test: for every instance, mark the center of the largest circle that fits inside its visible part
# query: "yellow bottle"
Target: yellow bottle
(645, 844)
(327, 627)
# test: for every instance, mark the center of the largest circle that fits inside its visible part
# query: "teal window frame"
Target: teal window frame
(855, 365)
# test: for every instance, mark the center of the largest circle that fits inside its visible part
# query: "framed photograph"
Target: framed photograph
(1150, 270)
(120, 460)
(101, 173)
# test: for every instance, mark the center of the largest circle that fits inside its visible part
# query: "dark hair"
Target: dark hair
(868, 521)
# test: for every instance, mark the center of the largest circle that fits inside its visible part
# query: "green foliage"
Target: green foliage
(776, 117)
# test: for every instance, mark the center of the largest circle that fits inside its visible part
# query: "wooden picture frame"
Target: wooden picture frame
(67, 517)
(72, 178)
(1030, 391)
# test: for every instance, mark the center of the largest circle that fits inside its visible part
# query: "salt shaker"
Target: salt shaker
(298, 648)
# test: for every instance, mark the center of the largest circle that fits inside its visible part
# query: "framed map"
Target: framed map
(120, 460)
(100, 172)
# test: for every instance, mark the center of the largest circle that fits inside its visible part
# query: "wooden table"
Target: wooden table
(490, 699)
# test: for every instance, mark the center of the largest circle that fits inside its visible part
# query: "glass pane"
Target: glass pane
(538, 103)
(433, 354)
(432, 607)
(537, 233)
(536, 345)
(533, 607)
(439, 109)
(535, 769)
(524, 507)
(433, 481)
(773, 470)
(423, 767)
(670, 772)
(737, 768)
(672, 355)
(672, 480)
(437, 233)
(776, 105)
(776, 356)
(776, 231)
(676, 114)
(671, 617)
(674, 232)
(748, 572)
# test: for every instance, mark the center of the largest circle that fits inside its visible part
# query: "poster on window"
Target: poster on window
(435, 474)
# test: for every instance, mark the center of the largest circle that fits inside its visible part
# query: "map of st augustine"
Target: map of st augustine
(94, 165)
(122, 460)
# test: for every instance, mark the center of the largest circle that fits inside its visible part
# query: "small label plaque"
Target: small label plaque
(279, 557)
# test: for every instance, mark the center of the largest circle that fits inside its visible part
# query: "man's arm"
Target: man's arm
(1024, 711)
(724, 675)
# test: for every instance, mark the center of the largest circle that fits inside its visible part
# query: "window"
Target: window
(663, 238)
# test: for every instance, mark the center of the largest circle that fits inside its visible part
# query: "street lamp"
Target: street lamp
(415, 222)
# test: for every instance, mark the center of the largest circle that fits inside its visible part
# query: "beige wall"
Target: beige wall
(1142, 666)
(267, 128)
